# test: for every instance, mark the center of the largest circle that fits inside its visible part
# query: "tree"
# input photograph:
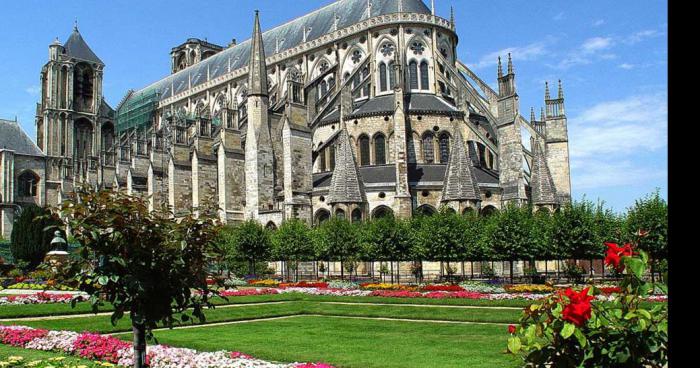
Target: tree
(250, 241)
(649, 218)
(509, 234)
(142, 262)
(292, 242)
(385, 239)
(442, 236)
(574, 230)
(32, 233)
(337, 241)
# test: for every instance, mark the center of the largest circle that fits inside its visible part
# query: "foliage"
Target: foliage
(573, 272)
(293, 242)
(649, 216)
(442, 236)
(508, 233)
(140, 261)
(31, 236)
(385, 239)
(573, 233)
(567, 330)
(248, 241)
(337, 240)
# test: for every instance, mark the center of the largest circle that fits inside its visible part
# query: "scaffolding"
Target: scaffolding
(137, 111)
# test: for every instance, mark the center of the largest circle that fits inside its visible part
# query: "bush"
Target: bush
(32, 233)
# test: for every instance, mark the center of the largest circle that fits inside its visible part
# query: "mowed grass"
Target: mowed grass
(30, 355)
(349, 342)
(103, 324)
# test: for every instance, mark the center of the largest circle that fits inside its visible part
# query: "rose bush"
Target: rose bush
(568, 329)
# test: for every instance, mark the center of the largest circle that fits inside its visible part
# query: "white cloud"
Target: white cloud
(528, 52)
(641, 36)
(598, 23)
(33, 90)
(610, 140)
(626, 66)
(595, 44)
(559, 16)
(591, 49)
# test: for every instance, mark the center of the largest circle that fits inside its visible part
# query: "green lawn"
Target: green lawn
(29, 355)
(357, 343)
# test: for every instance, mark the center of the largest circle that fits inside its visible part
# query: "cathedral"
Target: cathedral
(357, 110)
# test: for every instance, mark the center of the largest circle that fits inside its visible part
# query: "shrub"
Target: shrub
(31, 236)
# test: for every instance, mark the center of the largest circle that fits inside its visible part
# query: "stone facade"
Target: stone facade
(260, 127)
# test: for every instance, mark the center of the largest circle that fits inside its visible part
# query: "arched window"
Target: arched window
(364, 150)
(382, 77)
(488, 211)
(424, 80)
(428, 149)
(340, 214)
(413, 75)
(331, 153)
(425, 210)
(356, 215)
(322, 160)
(271, 226)
(82, 139)
(379, 149)
(382, 212)
(322, 216)
(365, 89)
(322, 88)
(28, 183)
(392, 75)
(444, 148)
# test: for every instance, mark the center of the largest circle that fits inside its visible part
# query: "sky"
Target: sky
(612, 58)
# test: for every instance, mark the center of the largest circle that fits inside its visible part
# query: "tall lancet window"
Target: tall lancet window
(364, 150)
(382, 77)
(424, 80)
(413, 74)
(444, 148)
(428, 149)
(379, 149)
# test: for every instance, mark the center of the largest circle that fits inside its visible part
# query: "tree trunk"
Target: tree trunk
(342, 271)
(139, 332)
(511, 272)
(391, 264)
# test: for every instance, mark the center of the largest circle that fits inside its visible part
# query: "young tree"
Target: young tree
(647, 224)
(510, 235)
(575, 231)
(386, 240)
(250, 241)
(292, 243)
(442, 236)
(31, 236)
(338, 241)
(144, 263)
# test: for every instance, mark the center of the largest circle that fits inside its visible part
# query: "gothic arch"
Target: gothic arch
(28, 184)
(271, 225)
(426, 210)
(488, 210)
(321, 216)
(380, 148)
(382, 211)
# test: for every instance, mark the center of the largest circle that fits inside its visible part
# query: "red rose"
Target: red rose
(578, 311)
(615, 254)
(511, 329)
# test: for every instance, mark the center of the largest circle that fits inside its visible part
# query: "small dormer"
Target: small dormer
(191, 52)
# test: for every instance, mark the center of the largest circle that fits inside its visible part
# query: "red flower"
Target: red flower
(578, 311)
(615, 254)
(511, 329)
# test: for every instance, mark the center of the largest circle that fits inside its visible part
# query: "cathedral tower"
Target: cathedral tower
(75, 126)
(557, 143)
(259, 157)
(510, 158)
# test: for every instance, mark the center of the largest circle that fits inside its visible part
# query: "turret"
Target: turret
(557, 142)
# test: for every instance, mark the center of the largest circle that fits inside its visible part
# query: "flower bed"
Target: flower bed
(438, 287)
(482, 287)
(386, 286)
(112, 350)
(248, 292)
(528, 288)
(39, 286)
(266, 283)
(38, 298)
(304, 284)
(338, 284)
(57, 362)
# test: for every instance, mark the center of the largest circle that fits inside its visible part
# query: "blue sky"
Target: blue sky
(611, 56)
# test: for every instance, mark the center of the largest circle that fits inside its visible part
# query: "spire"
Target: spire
(432, 7)
(541, 182)
(542, 116)
(77, 47)
(560, 94)
(500, 67)
(452, 17)
(546, 90)
(510, 64)
(460, 181)
(346, 182)
(532, 114)
(257, 71)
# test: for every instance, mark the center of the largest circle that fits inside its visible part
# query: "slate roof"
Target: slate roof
(418, 175)
(12, 137)
(77, 47)
(418, 103)
(460, 180)
(320, 22)
(541, 182)
(346, 183)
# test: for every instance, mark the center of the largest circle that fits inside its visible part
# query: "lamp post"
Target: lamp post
(58, 253)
